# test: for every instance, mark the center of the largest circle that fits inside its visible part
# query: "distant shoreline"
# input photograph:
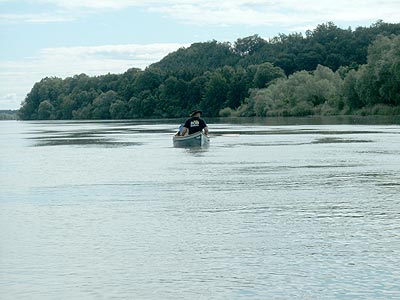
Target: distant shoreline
(246, 121)
(9, 114)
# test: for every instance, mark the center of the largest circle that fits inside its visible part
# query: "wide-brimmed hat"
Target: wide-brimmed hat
(195, 111)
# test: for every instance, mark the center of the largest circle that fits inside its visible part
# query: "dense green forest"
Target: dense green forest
(327, 71)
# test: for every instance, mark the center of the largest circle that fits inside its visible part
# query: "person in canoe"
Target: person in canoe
(194, 124)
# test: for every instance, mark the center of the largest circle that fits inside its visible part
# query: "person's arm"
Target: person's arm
(184, 130)
(206, 130)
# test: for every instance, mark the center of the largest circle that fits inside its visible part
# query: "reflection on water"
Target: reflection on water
(329, 140)
(82, 142)
(73, 134)
(110, 133)
(290, 210)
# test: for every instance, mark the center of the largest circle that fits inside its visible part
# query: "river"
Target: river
(272, 209)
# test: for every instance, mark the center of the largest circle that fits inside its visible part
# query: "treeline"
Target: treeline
(328, 71)
(8, 114)
(372, 88)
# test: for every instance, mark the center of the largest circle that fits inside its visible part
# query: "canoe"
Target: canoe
(197, 139)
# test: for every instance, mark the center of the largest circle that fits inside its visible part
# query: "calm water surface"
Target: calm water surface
(110, 210)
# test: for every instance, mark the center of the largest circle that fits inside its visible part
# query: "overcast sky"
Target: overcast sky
(61, 38)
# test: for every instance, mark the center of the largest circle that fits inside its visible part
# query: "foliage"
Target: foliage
(302, 93)
(379, 81)
(327, 71)
(266, 73)
(372, 89)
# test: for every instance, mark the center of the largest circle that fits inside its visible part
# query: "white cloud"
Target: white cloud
(18, 77)
(7, 101)
(107, 58)
(34, 18)
(96, 4)
(287, 13)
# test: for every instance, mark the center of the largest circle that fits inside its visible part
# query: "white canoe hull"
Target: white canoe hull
(197, 139)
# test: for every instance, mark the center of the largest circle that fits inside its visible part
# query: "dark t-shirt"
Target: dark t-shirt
(195, 124)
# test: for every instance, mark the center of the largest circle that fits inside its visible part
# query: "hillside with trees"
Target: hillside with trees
(327, 71)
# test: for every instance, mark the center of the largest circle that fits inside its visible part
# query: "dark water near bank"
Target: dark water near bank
(273, 209)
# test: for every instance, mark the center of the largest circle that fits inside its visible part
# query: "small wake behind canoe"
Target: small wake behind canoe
(198, 139)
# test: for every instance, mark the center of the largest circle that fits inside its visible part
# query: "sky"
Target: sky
(62, 38)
